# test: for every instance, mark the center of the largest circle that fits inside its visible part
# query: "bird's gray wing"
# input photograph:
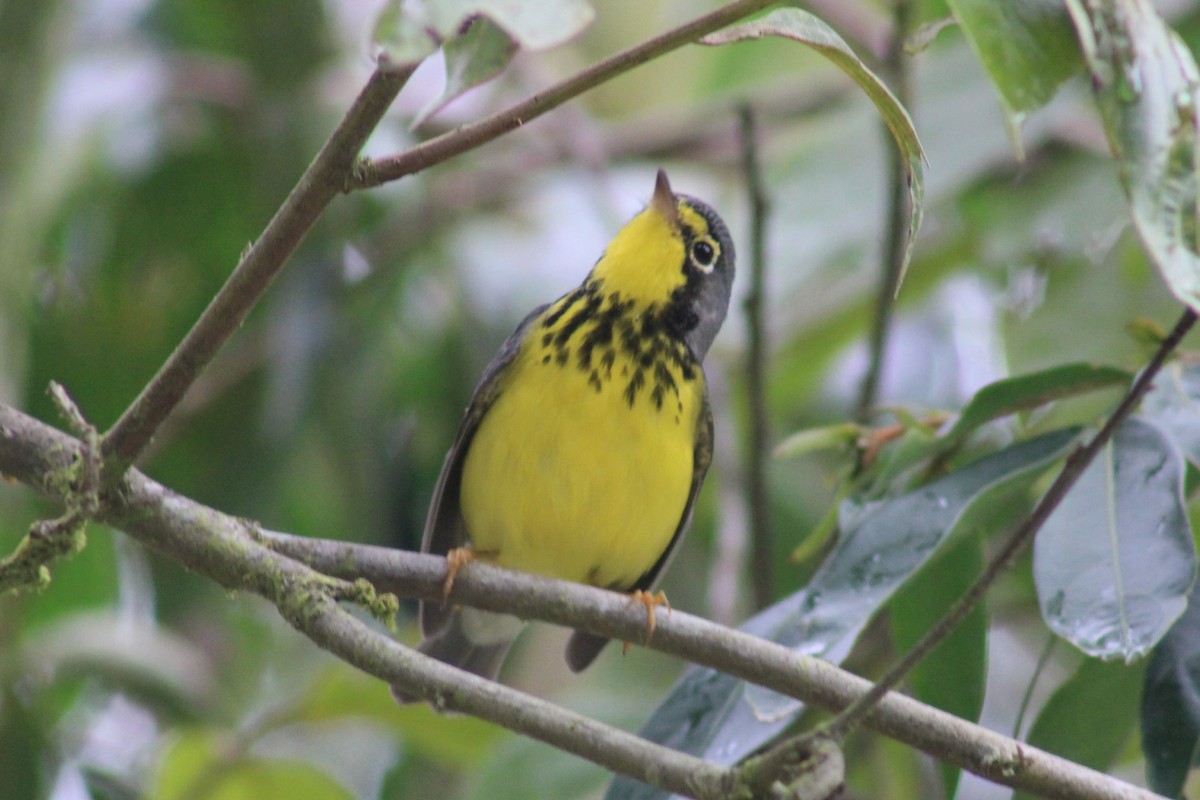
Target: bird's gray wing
(445, 528)
(583, 647)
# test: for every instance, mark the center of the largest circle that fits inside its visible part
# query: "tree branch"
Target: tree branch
(758, 498)
(899, 69)
(474, 134)
(261, 262)
(237, 555)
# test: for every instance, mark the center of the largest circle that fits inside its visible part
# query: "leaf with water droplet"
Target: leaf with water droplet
(723, 719)
(1114, 562)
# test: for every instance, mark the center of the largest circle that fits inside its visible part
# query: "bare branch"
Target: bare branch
(261, 262)
(472, 135)
(758, 499)
(899, 69)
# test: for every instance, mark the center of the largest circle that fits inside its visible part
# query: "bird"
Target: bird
(588, 437)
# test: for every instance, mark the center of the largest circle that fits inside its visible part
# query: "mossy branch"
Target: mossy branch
(78, 484)
(306, 578)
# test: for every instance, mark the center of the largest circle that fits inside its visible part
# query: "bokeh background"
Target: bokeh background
(144, 143)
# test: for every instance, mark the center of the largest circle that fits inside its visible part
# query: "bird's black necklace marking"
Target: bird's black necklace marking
(611, 340)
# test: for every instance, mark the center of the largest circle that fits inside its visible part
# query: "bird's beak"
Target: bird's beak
(663, 201)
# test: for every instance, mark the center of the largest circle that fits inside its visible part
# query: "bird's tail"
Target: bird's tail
(461, 645)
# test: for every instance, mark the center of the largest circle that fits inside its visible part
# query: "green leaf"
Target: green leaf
(1025, 392)
(722, 719)
(1114, 562)
(201, 763)
(475, 56)
(1090, 717)
(827, 437)
(1170, 715)
(1145, 80)
(803, 27)
(1174, 403)
(1027, 47)
(963, 654)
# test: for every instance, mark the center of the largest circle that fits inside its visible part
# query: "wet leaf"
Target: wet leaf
(1145, 84)
(723, 719)
(1113, 564)
(803, 27)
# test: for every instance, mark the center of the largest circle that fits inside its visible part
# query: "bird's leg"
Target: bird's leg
(458, 558)
(649, 600)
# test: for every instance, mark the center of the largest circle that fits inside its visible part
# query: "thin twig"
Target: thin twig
(258, 266)
(758, 450)
(1074, 467)
(472, 135)
(898, 67)
(231, 552)
(1043, 660)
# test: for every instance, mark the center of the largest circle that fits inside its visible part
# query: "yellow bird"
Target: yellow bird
(588, 437)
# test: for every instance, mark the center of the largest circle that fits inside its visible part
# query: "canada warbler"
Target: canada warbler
(585, 444)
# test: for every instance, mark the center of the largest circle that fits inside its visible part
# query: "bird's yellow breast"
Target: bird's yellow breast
(582, 466)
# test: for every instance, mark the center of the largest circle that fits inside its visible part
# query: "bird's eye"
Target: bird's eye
(703, 255)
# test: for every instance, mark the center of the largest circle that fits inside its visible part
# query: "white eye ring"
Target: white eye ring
(703, 255)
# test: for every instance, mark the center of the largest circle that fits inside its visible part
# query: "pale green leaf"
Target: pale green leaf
(408, 31)
(534, 24)
(475, 56)
(1145, 81)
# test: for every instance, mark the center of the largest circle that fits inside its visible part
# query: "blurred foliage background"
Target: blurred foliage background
(144, 143)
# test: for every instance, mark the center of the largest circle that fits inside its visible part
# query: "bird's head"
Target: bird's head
(677, 256)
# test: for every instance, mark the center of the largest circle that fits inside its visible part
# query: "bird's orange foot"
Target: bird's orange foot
(456, 559)
(649, 601)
